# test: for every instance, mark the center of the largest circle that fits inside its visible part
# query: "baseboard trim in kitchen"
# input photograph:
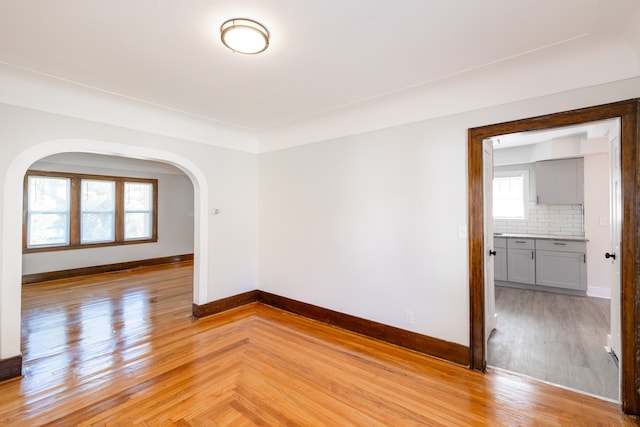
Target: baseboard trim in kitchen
(541, 288)
(452, 352)
(599, 292)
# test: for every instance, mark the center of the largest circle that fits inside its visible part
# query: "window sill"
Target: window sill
(86, 246)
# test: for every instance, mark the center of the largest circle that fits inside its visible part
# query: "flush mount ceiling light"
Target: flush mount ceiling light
(244, 36)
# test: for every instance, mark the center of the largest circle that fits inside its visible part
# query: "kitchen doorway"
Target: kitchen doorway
(629, 114)
(553, 313)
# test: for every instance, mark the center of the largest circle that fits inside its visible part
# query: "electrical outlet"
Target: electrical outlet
(408, 317)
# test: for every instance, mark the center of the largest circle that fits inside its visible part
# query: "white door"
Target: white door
(615, 222)
(489, 282)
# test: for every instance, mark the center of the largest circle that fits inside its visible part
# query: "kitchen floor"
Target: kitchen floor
(555, 338)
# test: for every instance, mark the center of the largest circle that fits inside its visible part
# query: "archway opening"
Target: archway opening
(11, 288)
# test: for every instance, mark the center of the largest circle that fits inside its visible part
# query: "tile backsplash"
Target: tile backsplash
(561, 220)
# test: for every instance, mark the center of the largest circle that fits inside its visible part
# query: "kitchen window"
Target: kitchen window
(511, 194)
(75, 211)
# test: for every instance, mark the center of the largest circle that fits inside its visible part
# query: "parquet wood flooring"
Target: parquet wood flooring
(122, 349)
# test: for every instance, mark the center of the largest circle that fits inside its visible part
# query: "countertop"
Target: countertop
(540, 236)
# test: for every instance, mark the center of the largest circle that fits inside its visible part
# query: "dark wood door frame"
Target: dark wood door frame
(629, 114)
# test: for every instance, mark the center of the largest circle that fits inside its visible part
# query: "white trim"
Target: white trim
(26, 88)
(599, 292)
(524, 173)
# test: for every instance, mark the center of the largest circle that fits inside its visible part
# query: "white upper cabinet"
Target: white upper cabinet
(560, 182)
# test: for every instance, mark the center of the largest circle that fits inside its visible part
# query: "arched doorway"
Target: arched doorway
(11, 254)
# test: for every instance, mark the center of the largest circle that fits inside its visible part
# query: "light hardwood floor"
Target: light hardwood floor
(123, 349)
(555, 338)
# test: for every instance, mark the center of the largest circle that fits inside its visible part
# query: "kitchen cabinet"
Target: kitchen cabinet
(541, 263)
(500, 259)
(560, 182)
(521, 264)
(561, 264)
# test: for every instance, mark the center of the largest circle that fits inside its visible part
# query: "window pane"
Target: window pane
(137, 196)
(48, 215)
(48, 194)
(98, 196)
(508, 197)
(137, 225)
(97, 227)
(48, 229)
(98, 211)
(138, 208)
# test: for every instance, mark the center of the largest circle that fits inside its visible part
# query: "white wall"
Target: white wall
(29, 89)
(596, 224)
(224, 245)
(368, 224)
(175, 221)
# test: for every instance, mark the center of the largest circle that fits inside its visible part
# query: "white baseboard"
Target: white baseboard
(598, 292)
(609, 343)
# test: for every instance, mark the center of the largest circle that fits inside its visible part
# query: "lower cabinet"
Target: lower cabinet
(500, 259)
(521, 263)
(558, 264)
(561, 264)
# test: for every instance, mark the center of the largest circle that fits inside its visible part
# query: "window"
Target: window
(98, 209)
(72, 211)
(138, 197)
(511, 194)
(48, 215)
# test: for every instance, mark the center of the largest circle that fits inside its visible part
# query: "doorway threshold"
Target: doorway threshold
(502, 371)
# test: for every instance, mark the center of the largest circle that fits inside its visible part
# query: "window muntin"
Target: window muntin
(511, 194)
(97, 206)
(94, 212)
(138, 210)
(48, 216)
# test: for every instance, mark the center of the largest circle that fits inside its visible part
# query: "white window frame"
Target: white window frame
(524, 173)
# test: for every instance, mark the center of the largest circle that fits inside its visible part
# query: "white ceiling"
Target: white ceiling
(323, 56)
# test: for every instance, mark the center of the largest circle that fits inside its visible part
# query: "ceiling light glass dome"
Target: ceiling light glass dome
(244, 36)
